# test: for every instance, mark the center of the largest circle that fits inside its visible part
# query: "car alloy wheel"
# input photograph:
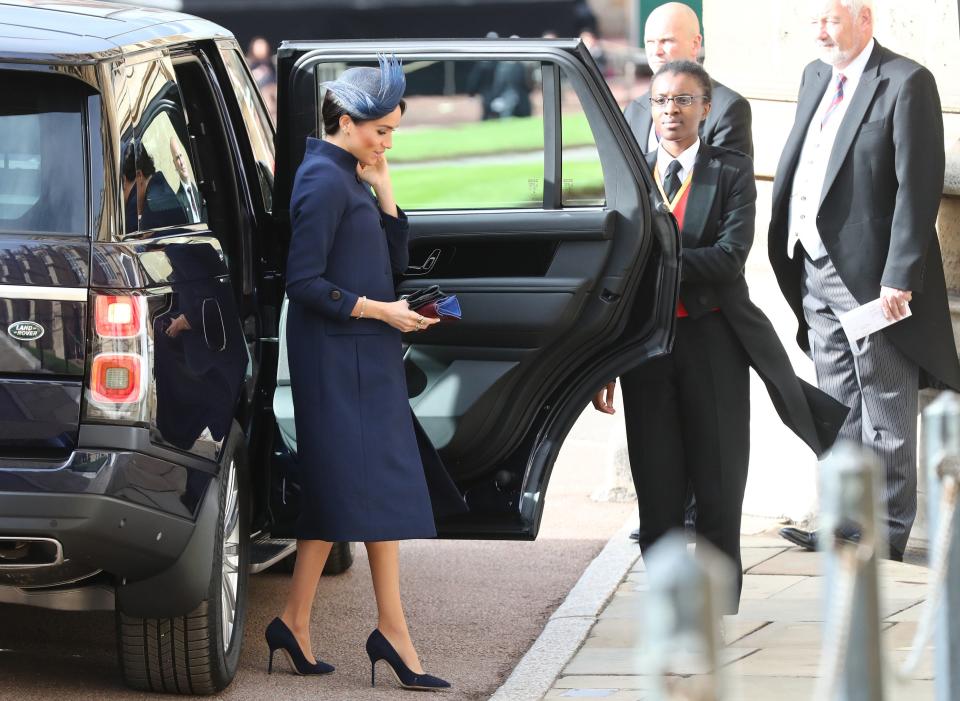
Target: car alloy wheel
(230, 560)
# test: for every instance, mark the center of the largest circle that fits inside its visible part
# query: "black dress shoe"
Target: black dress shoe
(805, 539)
(808, 539)
(690, 531)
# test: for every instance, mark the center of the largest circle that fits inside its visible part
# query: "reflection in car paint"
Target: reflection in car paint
(199, 361)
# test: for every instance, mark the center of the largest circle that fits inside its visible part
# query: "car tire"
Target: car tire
(199, 653)
(339, 561)
(340, 558)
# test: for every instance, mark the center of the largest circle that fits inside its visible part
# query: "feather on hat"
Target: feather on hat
(370, 93)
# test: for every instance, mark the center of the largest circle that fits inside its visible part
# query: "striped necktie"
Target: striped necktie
(835, 102)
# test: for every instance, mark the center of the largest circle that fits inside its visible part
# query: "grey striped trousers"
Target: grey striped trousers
(876, 381)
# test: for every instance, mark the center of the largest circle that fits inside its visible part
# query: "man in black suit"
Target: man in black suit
(855, 203)
(672, 33)
(187, 193)
(687, 414)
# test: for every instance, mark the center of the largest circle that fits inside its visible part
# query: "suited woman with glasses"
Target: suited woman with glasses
(688, 414)
(366, 470)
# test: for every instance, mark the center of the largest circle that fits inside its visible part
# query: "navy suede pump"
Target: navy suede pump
(279, 637)
(379, 648)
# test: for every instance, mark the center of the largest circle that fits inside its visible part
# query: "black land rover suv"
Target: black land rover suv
(147, 445)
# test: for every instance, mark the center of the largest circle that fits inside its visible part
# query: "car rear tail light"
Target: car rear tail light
(117, 316)
(119, 366)
(116, 378)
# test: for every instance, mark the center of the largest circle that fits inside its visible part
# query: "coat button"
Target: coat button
(335, 295)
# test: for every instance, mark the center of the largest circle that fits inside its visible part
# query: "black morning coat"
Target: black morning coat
(727, 125)
(717, 235)
(878, 207)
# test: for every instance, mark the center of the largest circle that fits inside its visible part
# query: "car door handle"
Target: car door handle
(427, 265)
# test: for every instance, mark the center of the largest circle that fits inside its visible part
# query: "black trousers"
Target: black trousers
(688, 422)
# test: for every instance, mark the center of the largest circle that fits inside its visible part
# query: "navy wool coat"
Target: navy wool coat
(360, 466)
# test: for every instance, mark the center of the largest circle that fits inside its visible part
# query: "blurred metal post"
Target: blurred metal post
(851, 668)
(941, 434)
(687, 594)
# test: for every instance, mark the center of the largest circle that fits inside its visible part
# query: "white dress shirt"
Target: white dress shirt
(687, 159)
(815, 156)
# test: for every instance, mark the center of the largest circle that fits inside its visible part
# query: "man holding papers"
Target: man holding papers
(855, 204)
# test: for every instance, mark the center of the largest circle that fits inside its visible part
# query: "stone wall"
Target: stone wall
(763, 46)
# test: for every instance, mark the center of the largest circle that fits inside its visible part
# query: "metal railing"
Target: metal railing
(941, 616)
(850, 661)
(683, 628)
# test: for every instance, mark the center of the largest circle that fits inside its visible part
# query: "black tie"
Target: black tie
(672, 184)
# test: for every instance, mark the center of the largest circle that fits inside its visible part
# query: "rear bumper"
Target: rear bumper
(146, 520)
(96, 532)
(162, 563)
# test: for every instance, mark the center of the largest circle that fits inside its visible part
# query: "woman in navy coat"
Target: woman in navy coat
(362, 474)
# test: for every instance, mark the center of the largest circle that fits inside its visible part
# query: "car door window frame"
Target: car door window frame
(245, 214)
(264, 118)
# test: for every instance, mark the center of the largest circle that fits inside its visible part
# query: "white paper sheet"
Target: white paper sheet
(865, 320)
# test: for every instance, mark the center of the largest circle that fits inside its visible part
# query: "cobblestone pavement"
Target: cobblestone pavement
(773, 644)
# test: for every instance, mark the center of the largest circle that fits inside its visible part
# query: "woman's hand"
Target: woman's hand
(603, 400)
(378, 177)
(399, 315)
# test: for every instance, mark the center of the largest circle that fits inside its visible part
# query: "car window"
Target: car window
(258, 125)
(471, 136)
(582, 175)
(158, 173)
(42, 182)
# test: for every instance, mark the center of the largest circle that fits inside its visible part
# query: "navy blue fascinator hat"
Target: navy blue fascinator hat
(370, 93)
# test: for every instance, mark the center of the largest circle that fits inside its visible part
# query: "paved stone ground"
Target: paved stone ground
(773, 644)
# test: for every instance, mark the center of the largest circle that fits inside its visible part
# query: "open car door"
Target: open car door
(528, 198)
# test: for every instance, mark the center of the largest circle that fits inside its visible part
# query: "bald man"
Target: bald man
(672, 33)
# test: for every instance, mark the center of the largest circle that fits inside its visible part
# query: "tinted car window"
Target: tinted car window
(158, 176)
(42, 174)
(582, 174)
(471, 137)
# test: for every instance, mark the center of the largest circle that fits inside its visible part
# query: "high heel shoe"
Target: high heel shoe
(279, 637)
(379, 648)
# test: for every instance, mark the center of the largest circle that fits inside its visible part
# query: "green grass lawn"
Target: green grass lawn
(483, 138)
(493, 185)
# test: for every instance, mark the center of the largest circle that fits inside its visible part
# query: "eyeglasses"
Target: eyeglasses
(678, 100)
